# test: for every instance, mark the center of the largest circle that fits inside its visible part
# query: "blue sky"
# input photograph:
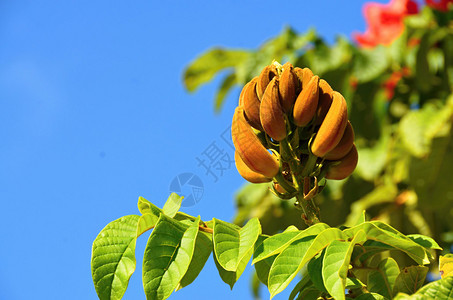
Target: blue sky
(94, 114)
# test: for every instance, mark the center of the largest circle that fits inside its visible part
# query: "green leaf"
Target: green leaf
(146, 222)
(278, 242)
(113, 257)
(440, 289)
(373, 160)
(172, 205)
(354, 283)
(314, 268)
(228, 82)
(410, 279)
(385, 234)
(419, 127)
(146, 207)
(382, 280)
(309, 293)
(230, 277)
(167, 256)
(232, 244)
(205, 67)
(336, 264)
(424, 241)
(301, 285)
(263, 267)
(324, 58)
(371, 296)
(431, 176)
(201, 253)
(369, 63)
(289, 262)
(403, 296)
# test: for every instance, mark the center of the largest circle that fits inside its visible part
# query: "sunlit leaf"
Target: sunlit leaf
(278, 242)
(227, 83)
(424, 241)
(419, 127)
(373, 160)
(146, 207)
(172, 205)
(205, 67)
(289, 262)
(369, 63)
(383, 233)
(440, 289)
(230, 277)
(336, 264)
(167, 256)
(410, 279)
(146, 222)
(371, 296)
(201, 253)
(113, 257)
(301, 285)
(232, 244)
(382, 280)
(263, 267)
(314, 268)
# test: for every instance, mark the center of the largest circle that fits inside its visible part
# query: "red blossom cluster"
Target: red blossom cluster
(385, 22)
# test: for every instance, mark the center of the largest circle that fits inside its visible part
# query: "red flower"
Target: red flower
(441, 5)
(385, 22)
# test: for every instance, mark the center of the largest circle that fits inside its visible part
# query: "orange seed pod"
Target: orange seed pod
(306, 103)
(332, 128)
(251, 104)
(249, 147)
(265, 77)
(344, 146)
(287, 87)
(325, 100)
(247, 173)
(346, 167)
(304, 75)
(271, 112)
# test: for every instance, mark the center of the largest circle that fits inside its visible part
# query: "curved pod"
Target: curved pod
(325, 100)
(332, 128)
(271, 112)
(344, 145)
(287, 87)
(303, 75)
(306, 103)
(249, 147)
(264, 78)
(251, 104)
(247, 173)
(345, 167)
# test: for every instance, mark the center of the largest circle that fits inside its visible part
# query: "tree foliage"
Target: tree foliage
(400, 101)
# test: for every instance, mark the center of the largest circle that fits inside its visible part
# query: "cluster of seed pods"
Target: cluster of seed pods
(293, 107)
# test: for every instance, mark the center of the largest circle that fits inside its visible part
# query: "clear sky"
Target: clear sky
(93, 115)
